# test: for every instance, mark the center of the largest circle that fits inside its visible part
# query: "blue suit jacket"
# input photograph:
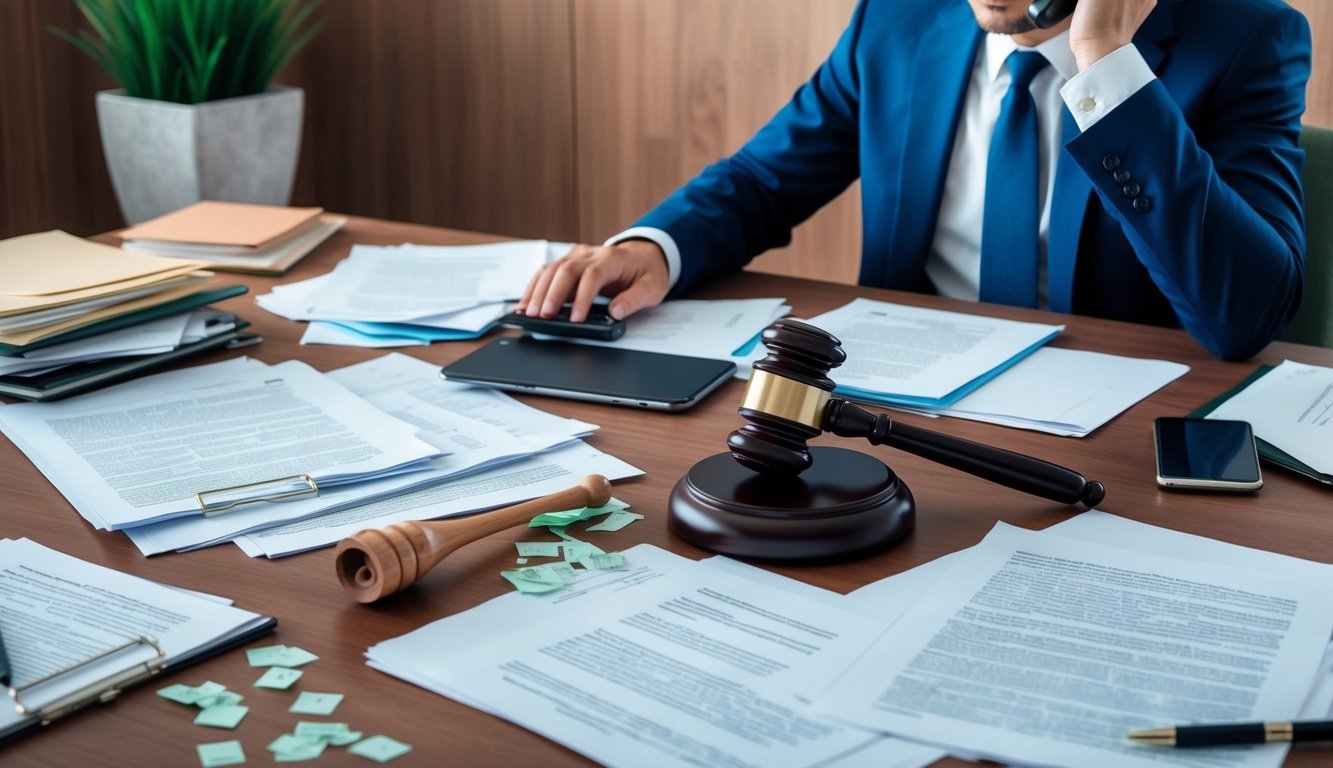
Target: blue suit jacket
(1212, 144)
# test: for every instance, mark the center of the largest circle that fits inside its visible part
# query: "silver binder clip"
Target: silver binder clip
(100, 691)
(282, 489)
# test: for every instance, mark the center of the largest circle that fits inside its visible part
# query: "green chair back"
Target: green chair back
(1314, 320)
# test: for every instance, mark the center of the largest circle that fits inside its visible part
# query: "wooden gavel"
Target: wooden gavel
(375, 563)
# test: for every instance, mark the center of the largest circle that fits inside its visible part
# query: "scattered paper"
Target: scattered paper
(279, 678)
(279, 656)
(381, 749)
(311, 703)
(222, 716)
(220, 753)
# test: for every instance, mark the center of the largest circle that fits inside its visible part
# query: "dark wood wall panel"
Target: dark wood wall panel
(455, 113)
(665, 87)
(541, 118)
(52, 174)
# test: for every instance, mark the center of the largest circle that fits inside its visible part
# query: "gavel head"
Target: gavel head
(785, 401)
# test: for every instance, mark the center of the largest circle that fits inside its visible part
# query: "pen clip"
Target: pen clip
(281, 489)
(102, 690)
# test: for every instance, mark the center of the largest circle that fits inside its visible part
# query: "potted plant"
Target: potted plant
(196, 117)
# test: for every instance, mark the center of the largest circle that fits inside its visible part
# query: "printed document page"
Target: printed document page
(1291, 407)
(139, 452)
(696, 667)
(1065, 392)
(507, 484)
(469, 445)
(903, 354)
(45, 595)
(406, 282)
(1037, 652)
(415, 655)
(697, 328)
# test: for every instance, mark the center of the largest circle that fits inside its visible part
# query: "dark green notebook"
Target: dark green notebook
(1267, 450)
(81, 377)
(183, 304)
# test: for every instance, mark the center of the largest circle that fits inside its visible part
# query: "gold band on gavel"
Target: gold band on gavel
(786, 398)
(1278, 731)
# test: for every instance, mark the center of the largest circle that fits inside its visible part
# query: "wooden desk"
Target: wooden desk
(1290, 515)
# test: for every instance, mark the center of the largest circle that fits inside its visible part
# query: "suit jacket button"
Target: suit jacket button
(1143, 204)
(1132, 189)
(1111, 162)
(1121, 175)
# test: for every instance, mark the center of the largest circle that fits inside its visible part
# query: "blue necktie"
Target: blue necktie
(1009, 231)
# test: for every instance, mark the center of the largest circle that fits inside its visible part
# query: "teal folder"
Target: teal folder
(1267, 451)
(183, 304)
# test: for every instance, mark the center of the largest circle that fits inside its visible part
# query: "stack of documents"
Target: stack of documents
(93, 630)
(75, 314)
(1030, 648)
(203, 455)
(903, 355)
(411, 295)
(941, 363)
(237, 237)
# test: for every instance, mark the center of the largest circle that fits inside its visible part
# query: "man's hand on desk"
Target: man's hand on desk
(633, 273)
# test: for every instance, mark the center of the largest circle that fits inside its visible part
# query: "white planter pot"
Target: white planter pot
(163, 156)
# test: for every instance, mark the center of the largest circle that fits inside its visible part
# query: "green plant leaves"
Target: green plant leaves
(192, 51)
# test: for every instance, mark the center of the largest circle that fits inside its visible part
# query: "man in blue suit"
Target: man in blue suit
(1138, 161)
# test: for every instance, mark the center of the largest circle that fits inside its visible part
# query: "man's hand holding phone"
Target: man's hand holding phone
(633, 273)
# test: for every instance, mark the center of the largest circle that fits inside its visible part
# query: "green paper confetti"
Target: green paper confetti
(288, 742)
(538, 548)
(605, 561)
(279, 678)
(279, 656)
(566, 517)
(381, 749)
(615, 521)
(223, 716)
(320, 731)
(220, 699)
(220, 753)
(312, 703)
(307, 750)
(181, 694)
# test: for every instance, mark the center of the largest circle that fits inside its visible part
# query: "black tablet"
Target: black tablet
(600, 374)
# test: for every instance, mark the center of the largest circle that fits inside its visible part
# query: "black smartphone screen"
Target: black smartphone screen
(1206, 449)
(600, 374)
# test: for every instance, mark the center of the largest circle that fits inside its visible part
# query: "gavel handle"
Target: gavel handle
(1015, 470)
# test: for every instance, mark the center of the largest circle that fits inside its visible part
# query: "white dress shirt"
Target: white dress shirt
(954, 264)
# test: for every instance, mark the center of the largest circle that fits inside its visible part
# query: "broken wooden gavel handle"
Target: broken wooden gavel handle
(375, 563)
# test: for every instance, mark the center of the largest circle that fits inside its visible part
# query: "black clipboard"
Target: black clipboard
(1267, 451)
(132, 676)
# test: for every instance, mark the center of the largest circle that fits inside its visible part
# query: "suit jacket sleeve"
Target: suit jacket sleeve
(748, 203)
(1222, 235)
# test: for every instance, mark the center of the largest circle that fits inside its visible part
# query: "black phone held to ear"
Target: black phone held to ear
(1047, 13)
(781, 500)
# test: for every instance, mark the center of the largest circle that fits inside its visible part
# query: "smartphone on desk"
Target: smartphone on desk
(1206, 454)
(1047, 13)
(597, 325)
(600, 374)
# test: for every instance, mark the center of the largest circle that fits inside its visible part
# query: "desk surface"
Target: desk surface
(1290, 515)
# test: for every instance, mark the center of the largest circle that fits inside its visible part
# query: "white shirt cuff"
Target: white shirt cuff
(1094, 92)
(664, 241)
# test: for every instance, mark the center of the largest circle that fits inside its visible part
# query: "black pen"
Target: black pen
(1235, 734)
